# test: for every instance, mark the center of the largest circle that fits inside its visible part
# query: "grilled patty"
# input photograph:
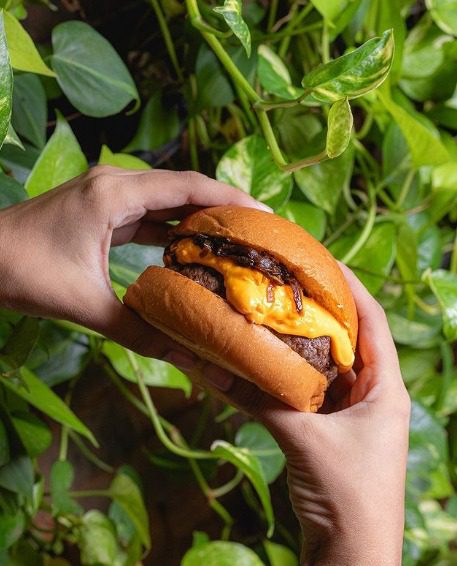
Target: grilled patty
(316, 351)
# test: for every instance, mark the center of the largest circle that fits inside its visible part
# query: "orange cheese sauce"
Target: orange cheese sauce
(246, 291)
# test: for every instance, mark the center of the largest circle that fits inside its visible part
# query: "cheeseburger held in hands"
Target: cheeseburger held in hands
(257, 295)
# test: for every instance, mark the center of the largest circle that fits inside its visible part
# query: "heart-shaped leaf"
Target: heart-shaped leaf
(24, 55)
(340, 121)
(354, 74)
(274, 75)
(231, 12)
(89, 71)
(444, 12)
(249, 166)
(444, 287)
(60, 160)
(6, 83)
(30, 109)
(124, 160)
(221, 553)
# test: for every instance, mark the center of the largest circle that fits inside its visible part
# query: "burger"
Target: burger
(256, 294)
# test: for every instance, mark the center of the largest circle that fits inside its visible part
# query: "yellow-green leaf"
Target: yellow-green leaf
(23, 53)
(107, 157)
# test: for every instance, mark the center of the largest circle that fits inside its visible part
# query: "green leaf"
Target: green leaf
(221, 553)
(129, 260)
(248, 165)
(33, 432)
(259, 441)
(4, 445)
(231, 12)
(279, 555)
(18, 162)
(324, 183)
(353, 74)
(420, 332)
(107, 157)
(444, 12)
(20, 343)
(374, 261)
(331, 9)
(427, 449)
(127, 494)
(154, 372)
(444, 287)
(6, 83)
(249, 464)
(340, 121)
(24, 55)
(159, 124)
(11, 192)
(89, 71)
(424, 143)
(213, 87)
(40, 396)
(12, 138)
(11, 528)
(61, 480)
(274, 75)
(17, 475)
(305, 215)
(60, 160)
(98, 540)
(30, 109)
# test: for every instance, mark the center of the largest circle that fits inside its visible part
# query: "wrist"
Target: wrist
(7, 262)
(370, 537)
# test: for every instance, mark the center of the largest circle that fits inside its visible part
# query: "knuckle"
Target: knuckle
(191, 179)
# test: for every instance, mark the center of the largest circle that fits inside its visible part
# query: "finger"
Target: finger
(375, 343)
(117, 322)
(142, 232)
(171, 213)
(164, 190)
(245, 396)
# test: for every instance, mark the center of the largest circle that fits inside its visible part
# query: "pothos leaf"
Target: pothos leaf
(6, 84)
(231, 12)
(353, 74)
(274, 75)
(444, 12)
(340, 121)
(444, 287)
(249, 464)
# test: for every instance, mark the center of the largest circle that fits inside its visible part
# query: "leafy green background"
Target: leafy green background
(342, 116)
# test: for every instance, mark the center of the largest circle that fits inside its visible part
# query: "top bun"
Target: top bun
(307, 259)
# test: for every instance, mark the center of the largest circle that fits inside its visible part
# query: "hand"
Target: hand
(54, 248)
(346, 469)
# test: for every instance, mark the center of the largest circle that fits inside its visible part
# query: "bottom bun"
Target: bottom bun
(206, 324)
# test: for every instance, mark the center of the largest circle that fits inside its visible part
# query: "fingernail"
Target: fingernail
(264, 207)
(217, 377)
(181, 360)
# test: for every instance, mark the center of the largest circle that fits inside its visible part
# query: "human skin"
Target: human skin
(346, 469)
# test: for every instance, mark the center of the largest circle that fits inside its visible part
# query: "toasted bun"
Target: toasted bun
(311, 263)
(210, 327)
(206, 324)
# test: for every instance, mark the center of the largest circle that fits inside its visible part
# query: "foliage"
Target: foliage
(339, 114)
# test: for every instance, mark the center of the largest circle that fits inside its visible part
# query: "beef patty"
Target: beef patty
(316, 351)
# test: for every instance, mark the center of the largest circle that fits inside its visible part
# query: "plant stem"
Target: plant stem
(405, 189)
(193, 145)
(272, 14)
(366, 126)
(90, 455)
(90, 493)
(271, 138)
(364, 235)
(266, 105)
(279, 35)
(292, 26)
(227, 488)
(453, 266)
(155, 420)
(325, 44)
(167, 37)
(429, 309)
(307, 162)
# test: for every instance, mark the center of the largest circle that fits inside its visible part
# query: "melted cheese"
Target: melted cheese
(247, 291)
